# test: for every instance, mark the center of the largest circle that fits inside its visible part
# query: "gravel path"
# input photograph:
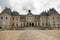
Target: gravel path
(37, 35)
(30, 35)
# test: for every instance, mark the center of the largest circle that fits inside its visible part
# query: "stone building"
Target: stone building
(9, 19)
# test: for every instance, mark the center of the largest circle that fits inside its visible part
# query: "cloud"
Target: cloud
(36, 6)
(28, 5)
(4, 3)
(22, 5)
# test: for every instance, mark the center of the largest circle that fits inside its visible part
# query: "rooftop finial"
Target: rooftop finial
(29, 11)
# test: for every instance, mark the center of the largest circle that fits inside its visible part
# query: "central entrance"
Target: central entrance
(30, 24)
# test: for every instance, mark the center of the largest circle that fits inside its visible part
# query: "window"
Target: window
(43, 24)
(46, 18)
(16, 24)
(53, 17)
(6, 17)
(13, 24)
(58, 24)
(0, 27)
(13, 18)
(53, 24)
(1, 17)
(46, 24)
(57, 17)
(17, 18)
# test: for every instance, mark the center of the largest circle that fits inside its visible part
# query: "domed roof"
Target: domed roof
(14, 13)
(44, 13)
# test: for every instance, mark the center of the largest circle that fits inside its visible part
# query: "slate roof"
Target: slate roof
(6, 10)
(29, 14)
(14, 13)
(52, 11)
(23, 16)
(37, 16)
(44, 13)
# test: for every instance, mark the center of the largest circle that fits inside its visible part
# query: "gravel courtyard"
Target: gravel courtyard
(30, 35)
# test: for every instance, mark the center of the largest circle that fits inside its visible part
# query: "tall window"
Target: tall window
(46, 18)
(46, 23)
(1, 17)
(42, 23)
(13, 24)
(6, 17)
(13, 18)
(58, 24)
(57, 17)
(17, 18)
(16, 24)
(53, 23)
(53, 17)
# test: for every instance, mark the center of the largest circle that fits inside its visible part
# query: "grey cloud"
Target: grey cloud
(33, 4)
(4, 3)
(28, 5)
(24, 6)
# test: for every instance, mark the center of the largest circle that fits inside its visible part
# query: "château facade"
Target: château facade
(9, 19)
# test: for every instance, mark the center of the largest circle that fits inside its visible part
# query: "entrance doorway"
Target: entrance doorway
(31, 24)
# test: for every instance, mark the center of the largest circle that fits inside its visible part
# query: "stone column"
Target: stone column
(25, 24)
(22, 24)
(37, 23)
(34, 24)
(31, 24)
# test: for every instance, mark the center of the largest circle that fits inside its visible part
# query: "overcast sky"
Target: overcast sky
(37, 6)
